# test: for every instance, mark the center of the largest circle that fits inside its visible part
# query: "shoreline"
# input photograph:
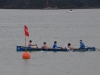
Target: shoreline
(50, 8)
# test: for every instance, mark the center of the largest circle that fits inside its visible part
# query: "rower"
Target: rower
(45, 46)
(69, 47)
(82, 45)
(55, 45)
(30, 45)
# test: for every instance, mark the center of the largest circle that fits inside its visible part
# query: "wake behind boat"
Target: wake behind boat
(22, 48)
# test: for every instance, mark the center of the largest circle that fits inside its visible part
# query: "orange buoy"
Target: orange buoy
(26, 55)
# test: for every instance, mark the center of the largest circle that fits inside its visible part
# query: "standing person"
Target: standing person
(82, 45)
(30, 45)
(45, 46)
(55, 45)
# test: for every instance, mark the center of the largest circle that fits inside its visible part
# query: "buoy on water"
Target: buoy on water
(26, 55)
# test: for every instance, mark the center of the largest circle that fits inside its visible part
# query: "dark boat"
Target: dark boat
(22, 48)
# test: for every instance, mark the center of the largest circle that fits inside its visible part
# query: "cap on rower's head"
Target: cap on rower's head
(30, 40)
(55, 41)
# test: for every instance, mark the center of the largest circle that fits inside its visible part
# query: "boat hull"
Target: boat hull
(21, 48)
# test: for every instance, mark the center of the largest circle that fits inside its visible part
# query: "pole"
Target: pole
(25, 44)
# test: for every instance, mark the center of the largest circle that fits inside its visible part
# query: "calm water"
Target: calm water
(48, 26)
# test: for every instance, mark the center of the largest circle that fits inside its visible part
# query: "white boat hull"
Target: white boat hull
(70, 11)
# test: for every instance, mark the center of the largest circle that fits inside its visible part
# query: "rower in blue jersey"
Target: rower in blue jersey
(55, 45)
(82, 45)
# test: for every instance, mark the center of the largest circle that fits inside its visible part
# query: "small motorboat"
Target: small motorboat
(70, 11)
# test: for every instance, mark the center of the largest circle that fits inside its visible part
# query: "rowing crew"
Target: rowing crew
(44, 46)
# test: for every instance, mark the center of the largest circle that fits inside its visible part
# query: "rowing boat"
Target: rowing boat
(22, 48)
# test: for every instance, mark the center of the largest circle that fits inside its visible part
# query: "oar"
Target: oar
(96, 48)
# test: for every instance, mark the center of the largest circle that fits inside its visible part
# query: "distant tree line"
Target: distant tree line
(39, 4)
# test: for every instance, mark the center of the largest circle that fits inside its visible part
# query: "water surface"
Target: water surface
(48, 26)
